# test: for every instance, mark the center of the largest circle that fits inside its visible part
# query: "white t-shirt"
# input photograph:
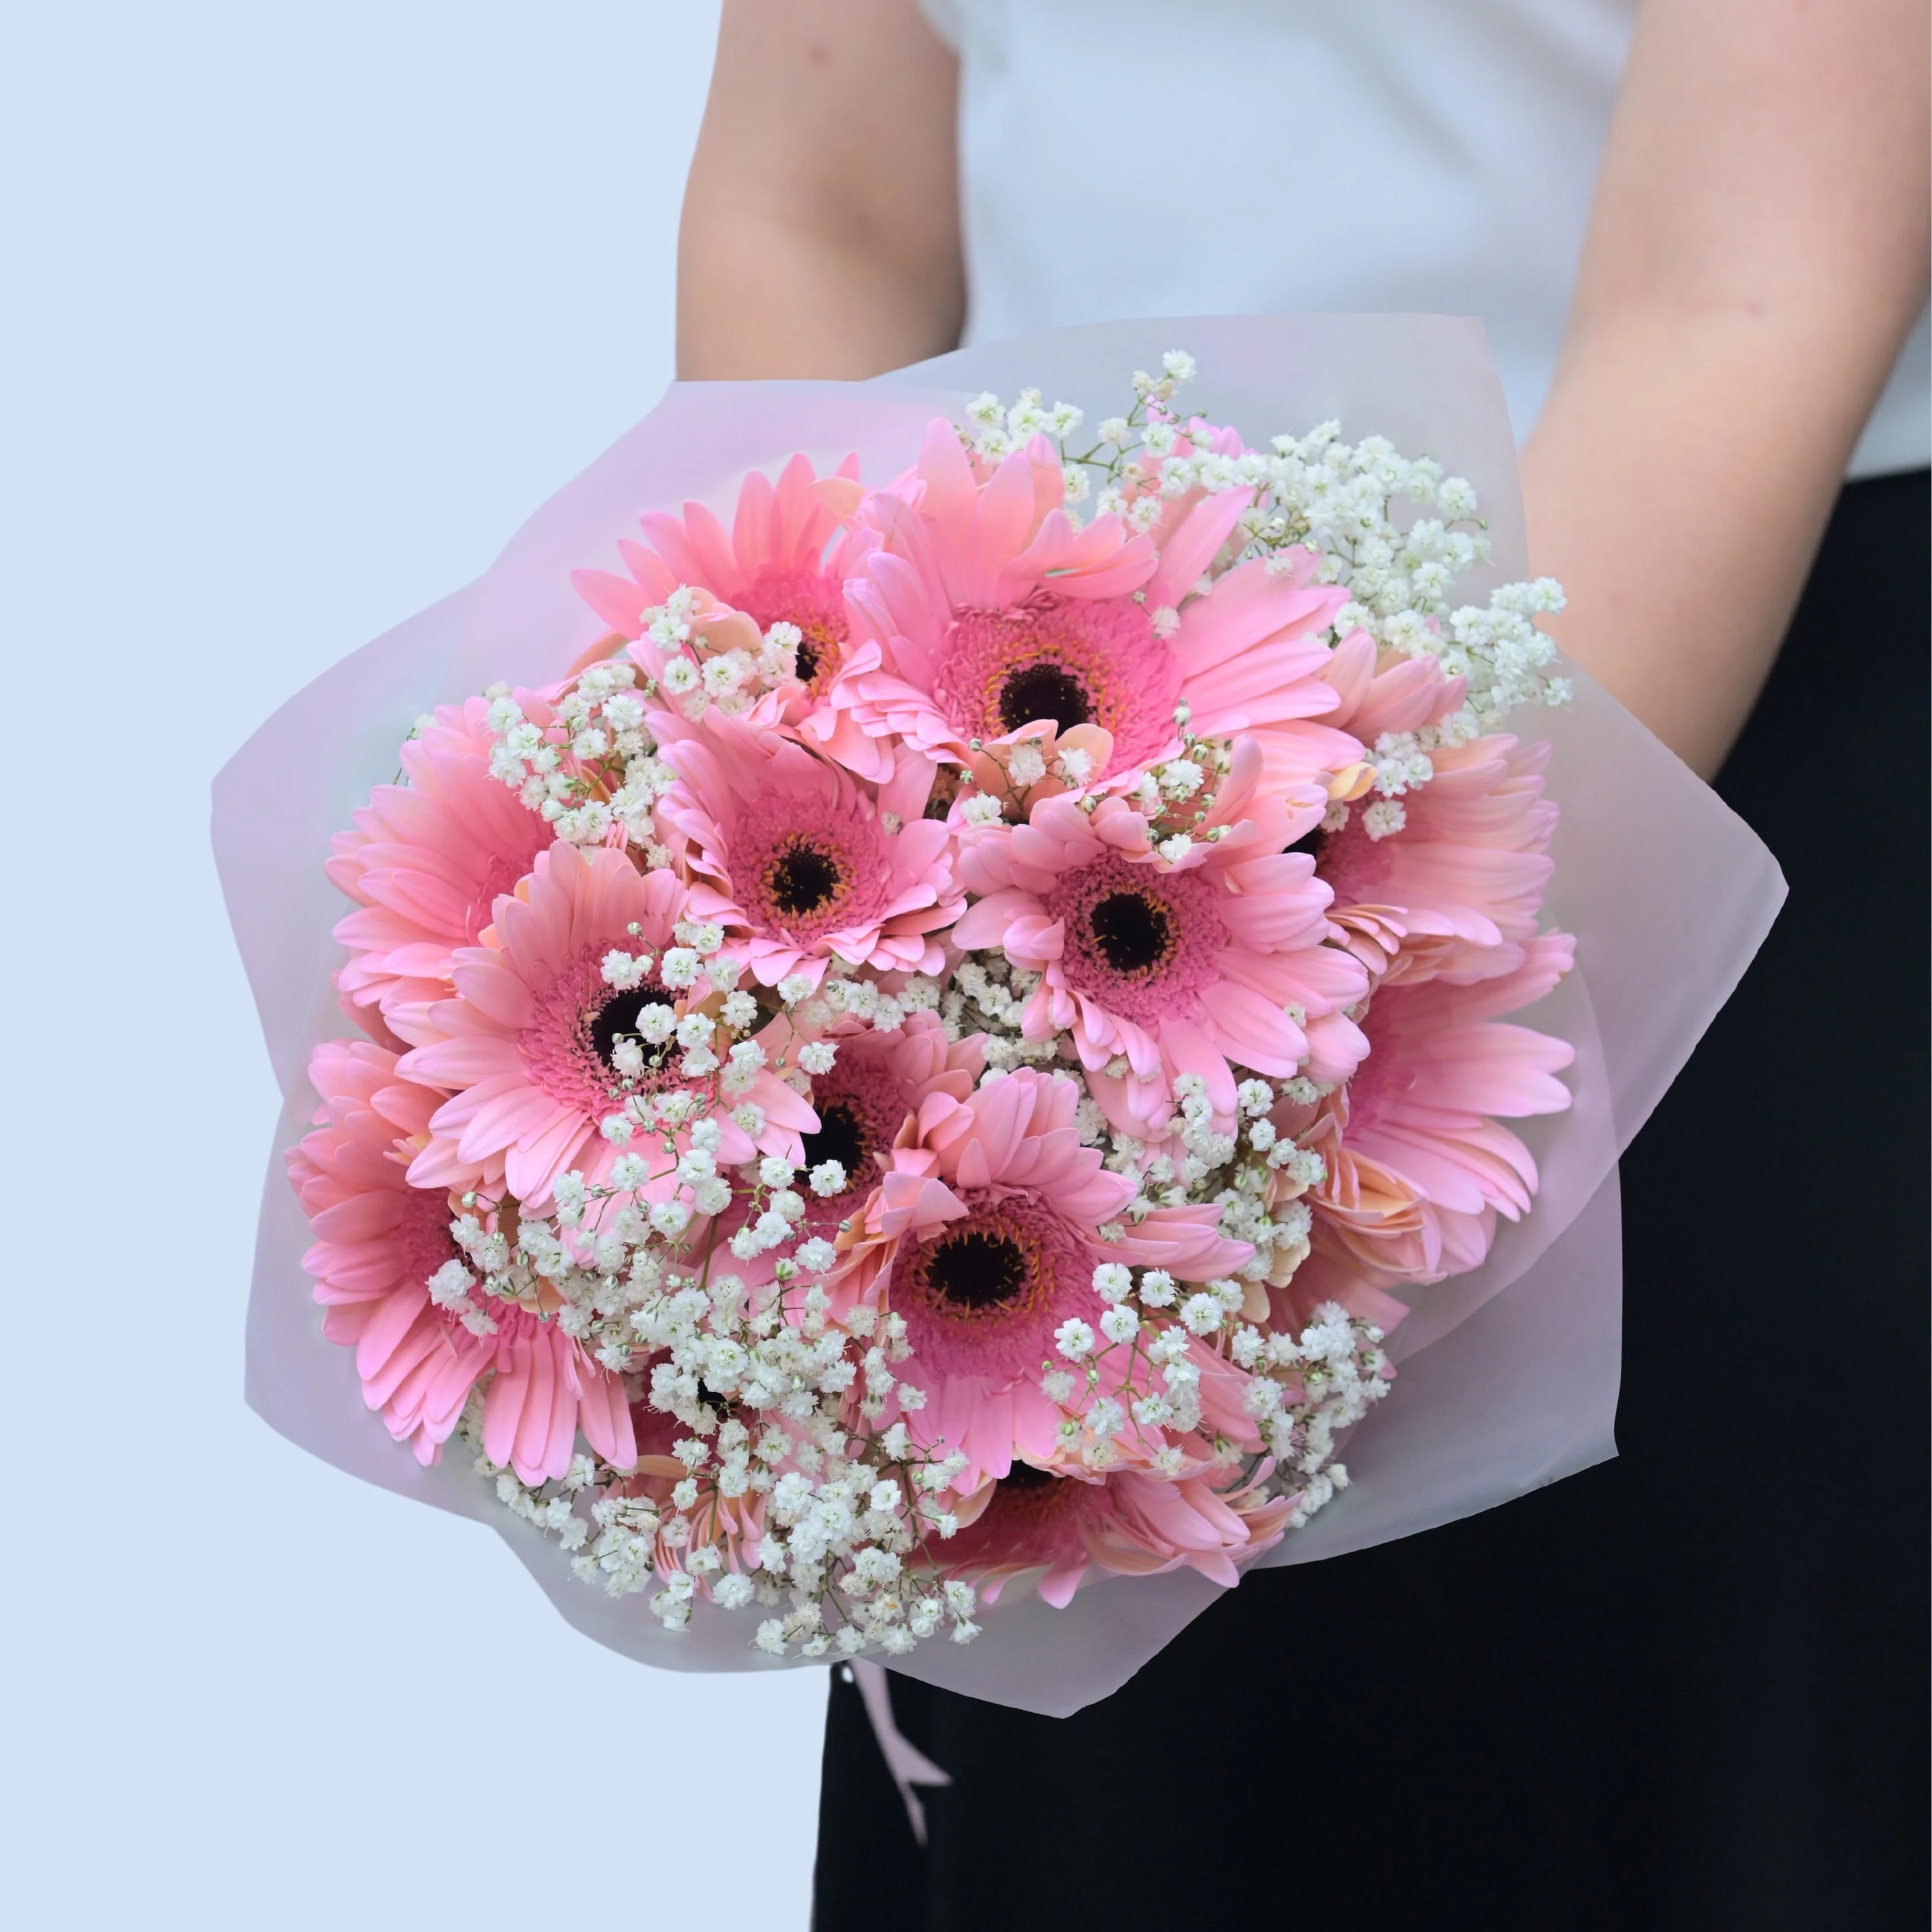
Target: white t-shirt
(1123, 157)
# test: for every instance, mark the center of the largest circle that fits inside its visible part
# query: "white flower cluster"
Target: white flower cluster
(781, 1504)
(583, 759)
(997, 430)
(1338, 1367)
(1356, 503)
(1139, 1369)
(724, 666)
(776, 1486)
(581, 754)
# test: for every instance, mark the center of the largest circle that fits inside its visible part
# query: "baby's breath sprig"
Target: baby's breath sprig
(1395, 532)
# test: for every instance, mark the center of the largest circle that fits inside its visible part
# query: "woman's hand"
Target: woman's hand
(821, 219)
(1756, 253)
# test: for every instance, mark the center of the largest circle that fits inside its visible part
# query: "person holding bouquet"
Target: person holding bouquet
(1691, 1688)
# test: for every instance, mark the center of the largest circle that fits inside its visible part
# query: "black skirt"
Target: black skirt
(1686, 1688)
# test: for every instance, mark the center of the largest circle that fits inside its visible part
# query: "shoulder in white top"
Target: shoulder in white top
(1435, 155)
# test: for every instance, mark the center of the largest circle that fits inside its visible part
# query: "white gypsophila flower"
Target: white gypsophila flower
(449, 1287)
(1202, 1313)
(1400, 764)
(678, 968)
(626, 969)
(1384, 818)
(1074, 1339)
(1158, 1288)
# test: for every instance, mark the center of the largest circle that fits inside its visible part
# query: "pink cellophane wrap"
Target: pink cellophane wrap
(1508, 1375)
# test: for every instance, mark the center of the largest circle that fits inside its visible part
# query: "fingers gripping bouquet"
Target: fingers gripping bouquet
(940, 1051)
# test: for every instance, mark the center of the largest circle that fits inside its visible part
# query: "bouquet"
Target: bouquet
(929, 1063)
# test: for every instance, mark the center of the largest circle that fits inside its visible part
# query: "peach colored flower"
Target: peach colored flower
(1418, 1164)
(1456, 891)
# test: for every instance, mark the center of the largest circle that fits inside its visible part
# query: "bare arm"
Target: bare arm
(1757, 253)
(821, 234)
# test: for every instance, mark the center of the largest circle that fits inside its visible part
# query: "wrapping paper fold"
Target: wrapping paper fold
(1508, 1375)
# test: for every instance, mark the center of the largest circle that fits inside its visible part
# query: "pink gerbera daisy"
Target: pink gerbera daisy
(1187, 965)
(425, 863)
(991, 611)
(983, 1236)
(378, 1242)
(799, 863)
(1457, 891)
(783, 559)
(1128, 1523)
(526, 1044)
(878, 1083)
(1418, 1163)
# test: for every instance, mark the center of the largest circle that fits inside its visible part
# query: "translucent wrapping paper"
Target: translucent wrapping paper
(1508, 1375)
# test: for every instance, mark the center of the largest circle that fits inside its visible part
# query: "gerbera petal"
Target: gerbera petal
(1195, 543)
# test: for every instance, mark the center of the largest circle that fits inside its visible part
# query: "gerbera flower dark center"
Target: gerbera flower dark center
(619, 1016)
(1134, 933)
(1035, 692)
(1024, 1476)
(1029, 1501)
(840, 1137)
(814, 646)
(976, 1270)
(802, 879)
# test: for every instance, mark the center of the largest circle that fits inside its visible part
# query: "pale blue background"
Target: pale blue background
(305, 309)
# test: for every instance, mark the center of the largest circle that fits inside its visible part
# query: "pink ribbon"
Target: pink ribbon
(907, 1763)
